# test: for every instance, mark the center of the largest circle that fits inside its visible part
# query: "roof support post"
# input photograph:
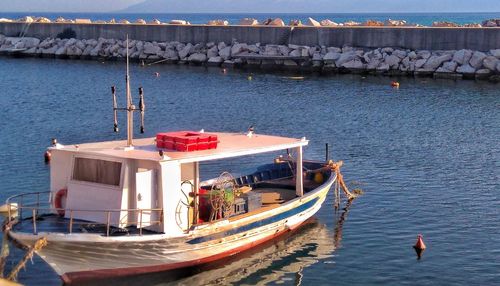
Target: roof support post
(299, 180)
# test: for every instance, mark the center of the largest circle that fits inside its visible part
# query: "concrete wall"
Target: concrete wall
(482, 39)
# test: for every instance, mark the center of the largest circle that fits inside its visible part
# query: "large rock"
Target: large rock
(239, 48)
(225, 53)
(295, 53)
(424, 54)
(333, 50)
(354, 64)
(171, 54)
(197, 58)
(185, 51)
(466, 69)
(311, 22)
(477, 59)
(450, 66)
(271, 50)
(328, 23)
(253, 49)
(420, 63)
(221, 46)
(331, 56)
(374, 63)
(213, 52)
(399, 53)
(249, 22)
(345, 57)
(462, 56)
(383, 67)
(277, 22)
(495, 53)
(436, 61)
(392, 61)
(151, 49)
(60, 51)
(50, 51)
(490, 62)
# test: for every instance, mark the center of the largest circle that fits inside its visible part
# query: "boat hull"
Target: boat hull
(88, 256)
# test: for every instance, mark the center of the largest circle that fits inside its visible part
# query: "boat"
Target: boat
(135, 206)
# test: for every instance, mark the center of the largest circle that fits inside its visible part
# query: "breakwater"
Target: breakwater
(442, 52)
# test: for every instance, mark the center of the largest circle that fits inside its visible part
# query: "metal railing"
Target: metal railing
(19, 205)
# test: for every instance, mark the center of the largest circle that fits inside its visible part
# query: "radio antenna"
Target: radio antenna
(130, 108)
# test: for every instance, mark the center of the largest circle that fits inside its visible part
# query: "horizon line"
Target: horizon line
(229, 13)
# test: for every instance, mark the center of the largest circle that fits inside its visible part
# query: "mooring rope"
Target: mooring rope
(39, 244)
(340, 184)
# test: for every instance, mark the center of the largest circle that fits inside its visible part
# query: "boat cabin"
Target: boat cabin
(155, 185)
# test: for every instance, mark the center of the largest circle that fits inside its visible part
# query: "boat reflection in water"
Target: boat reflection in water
(281, 260)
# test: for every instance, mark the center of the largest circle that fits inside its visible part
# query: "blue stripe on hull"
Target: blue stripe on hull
(257, 224)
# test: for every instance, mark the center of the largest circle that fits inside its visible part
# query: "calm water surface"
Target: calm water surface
(428, 155)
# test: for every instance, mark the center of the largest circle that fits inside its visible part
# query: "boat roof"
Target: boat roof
(229, 145)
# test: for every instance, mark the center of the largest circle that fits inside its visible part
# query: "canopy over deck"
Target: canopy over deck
(230, 145)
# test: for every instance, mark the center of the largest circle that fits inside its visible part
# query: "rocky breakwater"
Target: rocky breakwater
(385, 61)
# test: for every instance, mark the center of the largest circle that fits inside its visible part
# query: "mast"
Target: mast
(130, 106)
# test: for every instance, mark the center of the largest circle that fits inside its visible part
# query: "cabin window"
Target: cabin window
(97, 171)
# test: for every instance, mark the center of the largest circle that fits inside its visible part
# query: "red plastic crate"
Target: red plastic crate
(186, 141)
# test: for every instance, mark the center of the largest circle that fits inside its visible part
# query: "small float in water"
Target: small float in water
(129, 207)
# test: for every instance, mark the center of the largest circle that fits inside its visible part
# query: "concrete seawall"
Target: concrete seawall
(415, 38)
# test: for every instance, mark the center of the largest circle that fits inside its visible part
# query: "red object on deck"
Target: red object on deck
(420, 245)
(186, 141)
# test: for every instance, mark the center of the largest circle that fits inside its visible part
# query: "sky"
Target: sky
(254, 6)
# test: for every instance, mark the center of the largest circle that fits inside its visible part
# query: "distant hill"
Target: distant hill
(311, 6)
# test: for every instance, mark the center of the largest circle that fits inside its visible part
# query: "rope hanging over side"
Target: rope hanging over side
(39, 244)
(340, 184)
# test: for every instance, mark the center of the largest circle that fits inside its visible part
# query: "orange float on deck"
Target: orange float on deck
(186, 141)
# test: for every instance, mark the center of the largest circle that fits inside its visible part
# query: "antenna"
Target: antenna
(130, 108)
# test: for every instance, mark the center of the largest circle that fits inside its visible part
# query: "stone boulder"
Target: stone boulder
(462, 56)
(178, 22)
(393, 61)
(171, 54)
(225, 53)
(490, 62)
(436, 61)
(354, 64)
(218, 22)
(239, 48)
(151, 49)
(328, 23)
(184, 52)
(197, 58)
(248, 22)
(277, 22)
(476, 60)
(212, 52)
(495, 53)
(466, 69)
(345, 57)
(311, 22)
(449, 66)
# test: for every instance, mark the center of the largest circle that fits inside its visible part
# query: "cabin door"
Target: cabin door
(147, 198)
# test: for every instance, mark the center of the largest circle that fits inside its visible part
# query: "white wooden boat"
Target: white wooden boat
(129, 210)
(129, 207)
